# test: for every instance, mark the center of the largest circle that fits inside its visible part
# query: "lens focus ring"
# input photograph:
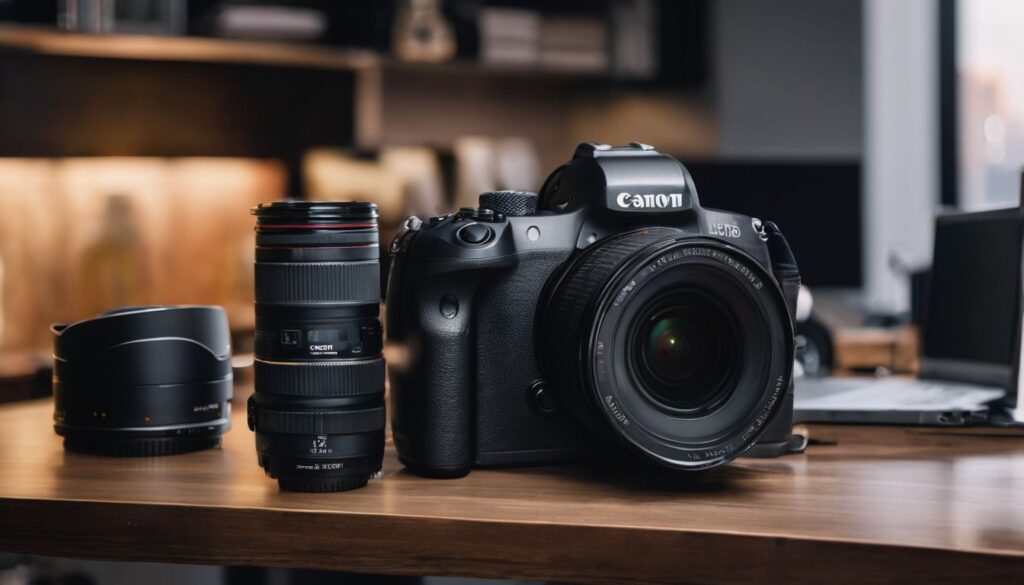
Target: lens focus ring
(317, 282)
(318, 422)
(321, 379)
(322, 238)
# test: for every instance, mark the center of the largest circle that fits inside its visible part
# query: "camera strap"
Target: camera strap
(783, 266)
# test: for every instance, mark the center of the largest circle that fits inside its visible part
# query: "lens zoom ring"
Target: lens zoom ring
(319, 422)
(320, 379)
(325, 238)
(317, 282)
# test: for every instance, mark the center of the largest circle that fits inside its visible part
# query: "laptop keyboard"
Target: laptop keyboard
(890, 394)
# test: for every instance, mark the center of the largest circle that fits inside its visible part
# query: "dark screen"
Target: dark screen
(973, 305)
(816, 204)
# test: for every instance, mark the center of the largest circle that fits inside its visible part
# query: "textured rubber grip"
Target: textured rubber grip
(317, 282)
(332, 379)
(433, 398)
(318, 422)
(324, 238)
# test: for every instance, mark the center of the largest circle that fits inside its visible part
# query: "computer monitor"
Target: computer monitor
(972, 327)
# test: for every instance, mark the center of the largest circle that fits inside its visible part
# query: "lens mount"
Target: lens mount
(679, 347)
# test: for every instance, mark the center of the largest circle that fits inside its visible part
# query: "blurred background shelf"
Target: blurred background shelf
(188, 49)
(47, 41)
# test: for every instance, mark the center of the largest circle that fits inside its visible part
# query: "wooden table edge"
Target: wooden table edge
(485, 548)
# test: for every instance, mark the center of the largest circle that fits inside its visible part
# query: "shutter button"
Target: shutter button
(475, 233)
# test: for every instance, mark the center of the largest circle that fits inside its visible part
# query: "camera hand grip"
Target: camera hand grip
(432, 395)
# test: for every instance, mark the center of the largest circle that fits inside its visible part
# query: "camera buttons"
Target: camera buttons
(542, 398)
(759, 229)
(480, 214)
(449, 307)
(475, 234)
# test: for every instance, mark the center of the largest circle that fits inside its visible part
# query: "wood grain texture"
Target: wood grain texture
(884, 505)
(868, 348)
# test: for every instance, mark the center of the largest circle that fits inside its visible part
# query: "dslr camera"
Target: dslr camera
(608, 315)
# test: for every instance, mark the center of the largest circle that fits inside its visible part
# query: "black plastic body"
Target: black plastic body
(472, 392)
(143, 380)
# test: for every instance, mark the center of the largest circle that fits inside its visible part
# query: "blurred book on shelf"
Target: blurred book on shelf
(84, 235)
(574, 43)
(154, 17)
(525, 38)
(277, 22)
(509, 36)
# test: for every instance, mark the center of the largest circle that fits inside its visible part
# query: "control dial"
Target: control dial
(510, 203)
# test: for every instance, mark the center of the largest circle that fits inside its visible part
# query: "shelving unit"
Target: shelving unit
(187, 49)
(371, 70)
(46, 41)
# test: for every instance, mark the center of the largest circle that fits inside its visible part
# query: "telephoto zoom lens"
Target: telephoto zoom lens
(141, 381)
(318, 406)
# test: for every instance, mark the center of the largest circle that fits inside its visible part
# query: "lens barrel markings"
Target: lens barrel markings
(322, 422)
(321, 379)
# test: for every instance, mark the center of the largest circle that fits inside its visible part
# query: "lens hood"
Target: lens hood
(143, 380)
(135, 346)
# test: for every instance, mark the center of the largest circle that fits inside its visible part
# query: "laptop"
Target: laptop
(971, 339)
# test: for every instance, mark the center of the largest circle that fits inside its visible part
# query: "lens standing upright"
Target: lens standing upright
(318, 409)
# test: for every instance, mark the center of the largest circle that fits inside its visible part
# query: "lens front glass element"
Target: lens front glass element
(686, 351)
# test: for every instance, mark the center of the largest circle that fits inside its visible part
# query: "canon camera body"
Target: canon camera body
(609, 314)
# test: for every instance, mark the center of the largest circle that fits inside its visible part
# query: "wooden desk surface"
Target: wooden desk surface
(883, 505)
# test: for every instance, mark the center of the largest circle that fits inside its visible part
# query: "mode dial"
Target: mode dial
(510, 203)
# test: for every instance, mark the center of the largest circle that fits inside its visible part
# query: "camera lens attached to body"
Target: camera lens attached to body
(318, 408)
(686, 350)
(143, 381)
(680, 346)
